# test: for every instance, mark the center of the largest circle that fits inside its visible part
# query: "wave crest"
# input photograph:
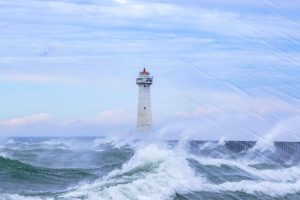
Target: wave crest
(152, 173)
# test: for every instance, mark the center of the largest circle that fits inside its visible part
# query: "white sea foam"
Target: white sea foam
(11, 141)
(152, 173)
(284, 175)
(96, 143)
(19, 197)
(157, 172)
(168, 172)
(2, 153)
(74, 144)
(255, 187)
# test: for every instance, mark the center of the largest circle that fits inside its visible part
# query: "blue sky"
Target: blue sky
(221, 68)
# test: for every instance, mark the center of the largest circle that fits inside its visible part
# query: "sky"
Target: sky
(222, 68)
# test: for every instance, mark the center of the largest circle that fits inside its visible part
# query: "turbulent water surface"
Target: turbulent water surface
(94, 168)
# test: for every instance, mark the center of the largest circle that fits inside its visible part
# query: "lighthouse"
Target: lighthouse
(144, 118)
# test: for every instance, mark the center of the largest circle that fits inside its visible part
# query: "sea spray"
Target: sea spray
(152, 173)
(141, 169)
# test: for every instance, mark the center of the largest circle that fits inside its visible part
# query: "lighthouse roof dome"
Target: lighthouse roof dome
(144, 72)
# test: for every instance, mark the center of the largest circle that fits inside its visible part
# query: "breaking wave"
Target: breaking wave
(146, 171)
(152, 173)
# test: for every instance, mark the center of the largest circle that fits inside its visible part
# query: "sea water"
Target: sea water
(98, 168)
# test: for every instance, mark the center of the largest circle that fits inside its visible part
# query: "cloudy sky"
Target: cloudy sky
(222, 68)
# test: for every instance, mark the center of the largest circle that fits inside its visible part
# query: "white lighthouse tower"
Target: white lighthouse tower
(144, 121)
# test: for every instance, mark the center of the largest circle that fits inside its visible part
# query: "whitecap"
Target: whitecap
(283, 175)
(152, 173)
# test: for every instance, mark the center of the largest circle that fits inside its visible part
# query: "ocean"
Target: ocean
(99, 168)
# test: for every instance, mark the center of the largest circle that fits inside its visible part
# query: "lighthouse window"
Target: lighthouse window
(144, 108)
(144, 85)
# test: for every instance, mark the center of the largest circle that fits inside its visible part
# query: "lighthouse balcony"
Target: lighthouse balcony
(144, 81)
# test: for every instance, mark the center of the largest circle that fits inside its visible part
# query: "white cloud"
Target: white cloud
(27, 120)
(106, 122)
(228, 115)
(114, 117)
